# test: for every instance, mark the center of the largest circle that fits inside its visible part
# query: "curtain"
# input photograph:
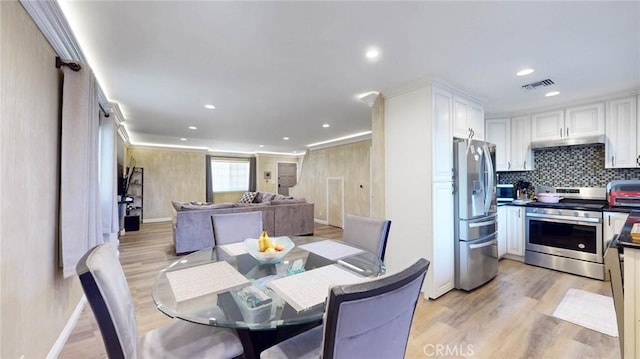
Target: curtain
(252, 174)
(108, 179)
(80, 220)
(208, 179)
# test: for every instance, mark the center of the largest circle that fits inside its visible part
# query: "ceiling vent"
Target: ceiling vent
(535, 85)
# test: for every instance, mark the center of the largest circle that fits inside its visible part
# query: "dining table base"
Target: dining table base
(256, 341)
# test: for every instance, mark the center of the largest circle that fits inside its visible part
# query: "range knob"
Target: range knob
(560, 212)
(577, 214)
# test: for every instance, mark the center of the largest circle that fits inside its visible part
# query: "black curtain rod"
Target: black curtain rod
(72, 65)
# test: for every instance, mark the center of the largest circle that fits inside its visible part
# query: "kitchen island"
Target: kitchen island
(631, 250)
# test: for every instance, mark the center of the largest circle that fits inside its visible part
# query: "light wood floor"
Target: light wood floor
(509, 317)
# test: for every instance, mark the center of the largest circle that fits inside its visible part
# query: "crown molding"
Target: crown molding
(50, 19)
(580, 102)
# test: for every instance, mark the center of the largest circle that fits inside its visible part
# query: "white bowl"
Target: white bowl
(548, 197)
(251, 244)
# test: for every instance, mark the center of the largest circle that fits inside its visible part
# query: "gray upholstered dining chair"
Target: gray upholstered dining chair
(365, 320)
(368, 233)
(236, 227)
(107, 291)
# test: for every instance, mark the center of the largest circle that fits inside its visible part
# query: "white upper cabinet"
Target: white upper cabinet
(582, 121)
(573, 122)
(521, 154)
(476, 121)
(468, 119)
(621, 148)
(499, 133)
(547, 126)
(442, 138)
(512, 138)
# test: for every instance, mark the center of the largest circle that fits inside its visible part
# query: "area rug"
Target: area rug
(590, 310)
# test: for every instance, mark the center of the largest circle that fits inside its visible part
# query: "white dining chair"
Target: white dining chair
(236, 227)
(107, 291)
(366, 320)
(368, 233)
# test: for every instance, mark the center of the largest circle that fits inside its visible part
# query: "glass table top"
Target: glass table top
(254, 307)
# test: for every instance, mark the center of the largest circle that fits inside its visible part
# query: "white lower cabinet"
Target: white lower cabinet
(613, 222)
(443, 234)
(502, 231)
(515, 231)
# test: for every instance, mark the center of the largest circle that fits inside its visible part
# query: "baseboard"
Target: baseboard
(320, 221)
(156, 220)
(68, 328)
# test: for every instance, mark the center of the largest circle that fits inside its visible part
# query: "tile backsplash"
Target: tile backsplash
(575, 166)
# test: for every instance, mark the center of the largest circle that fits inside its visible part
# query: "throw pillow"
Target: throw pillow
(247, 197)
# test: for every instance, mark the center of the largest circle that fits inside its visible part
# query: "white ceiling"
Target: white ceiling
(277, 69)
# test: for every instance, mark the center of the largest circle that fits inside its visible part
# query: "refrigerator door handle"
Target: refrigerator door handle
(481, 245)
(482, 224)
(489, 183)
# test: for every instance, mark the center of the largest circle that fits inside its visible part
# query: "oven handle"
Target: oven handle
(552, 218)
(481, 245)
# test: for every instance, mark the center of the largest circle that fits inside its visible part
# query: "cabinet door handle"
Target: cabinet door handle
(567, 132)
(524, 165)
(508, 165)
(609, 217)
(613, 162)
(560, 132)
(638, 160)
(518, 213)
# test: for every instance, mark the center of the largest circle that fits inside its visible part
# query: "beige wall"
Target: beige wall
(270, 163)
(35, 301)
(169, 176)
(351, 162)
(377, 159)
(223, 197)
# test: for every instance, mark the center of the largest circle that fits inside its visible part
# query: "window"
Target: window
(230, 175)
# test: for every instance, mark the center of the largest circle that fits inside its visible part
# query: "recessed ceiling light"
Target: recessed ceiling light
(260, 145)
(183, 139)
(552, 93)
(326, 125)
(372, 53)
(295, 151)
(193, 128)
(285, 138)
(210, 107)
(525, 72)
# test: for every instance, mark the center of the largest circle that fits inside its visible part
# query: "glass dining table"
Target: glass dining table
(259, 315)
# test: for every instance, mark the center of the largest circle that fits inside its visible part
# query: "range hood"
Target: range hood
(579, 141)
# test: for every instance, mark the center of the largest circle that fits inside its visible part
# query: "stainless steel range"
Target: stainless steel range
(567, 236)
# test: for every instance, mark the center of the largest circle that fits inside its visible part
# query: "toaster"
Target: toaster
(623, 193)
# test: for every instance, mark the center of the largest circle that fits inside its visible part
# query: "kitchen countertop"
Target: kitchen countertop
(624, 238)
(618, 209)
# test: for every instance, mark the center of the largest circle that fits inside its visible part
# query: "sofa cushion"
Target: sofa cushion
(247, 197)
(178, 205)
(240, 205)
(189, 206)
(262, 197)
(276, 202)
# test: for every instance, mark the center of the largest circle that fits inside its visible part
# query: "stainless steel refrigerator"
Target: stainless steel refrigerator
(476, 247)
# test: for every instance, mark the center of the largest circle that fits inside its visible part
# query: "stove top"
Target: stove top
(577, 204)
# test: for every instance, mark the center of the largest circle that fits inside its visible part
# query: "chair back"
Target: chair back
(107, 291)
(368, 233)
(236, 227)
(373, 319)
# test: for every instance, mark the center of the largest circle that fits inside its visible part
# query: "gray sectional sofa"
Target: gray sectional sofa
(192, 229)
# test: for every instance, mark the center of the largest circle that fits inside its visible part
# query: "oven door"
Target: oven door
(564, 237)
